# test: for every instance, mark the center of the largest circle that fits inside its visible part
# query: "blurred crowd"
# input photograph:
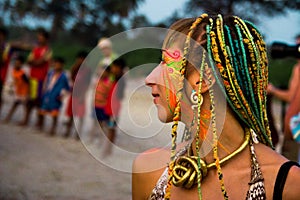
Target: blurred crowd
(46, 85)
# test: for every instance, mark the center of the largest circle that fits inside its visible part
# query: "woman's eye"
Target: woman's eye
(161, 60)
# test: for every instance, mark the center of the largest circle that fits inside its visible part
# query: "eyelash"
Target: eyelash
(161, 60)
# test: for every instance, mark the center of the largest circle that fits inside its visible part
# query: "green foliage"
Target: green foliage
(142, 56)
(68, 51)
(79, 17)
(251, 10)
(280, 71)
(133, 58)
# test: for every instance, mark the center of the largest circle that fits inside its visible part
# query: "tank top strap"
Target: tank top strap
(281, 178)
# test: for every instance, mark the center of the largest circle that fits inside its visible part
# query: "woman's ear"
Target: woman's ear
(194, 80)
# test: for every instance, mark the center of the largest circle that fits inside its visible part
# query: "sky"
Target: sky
(282, 28)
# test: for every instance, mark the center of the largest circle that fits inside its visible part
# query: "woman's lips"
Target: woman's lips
(155, 99)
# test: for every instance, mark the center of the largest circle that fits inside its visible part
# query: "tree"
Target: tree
(245, 9)
(139, 21)
(63, 15)
(120, 8)
(59, 11)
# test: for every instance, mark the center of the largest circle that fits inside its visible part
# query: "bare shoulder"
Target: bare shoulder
(271, 161)
(151, 159)
(291, 189)
(269, 157)
(147, 169)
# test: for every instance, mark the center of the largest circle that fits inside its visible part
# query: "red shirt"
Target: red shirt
(113, 105)
(39, 72)
(5, 60)
(102, 92)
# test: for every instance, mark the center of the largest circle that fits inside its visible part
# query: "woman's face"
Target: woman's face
(164, 81)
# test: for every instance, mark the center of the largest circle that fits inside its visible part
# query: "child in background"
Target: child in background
(55, 87)
(103, 88)
(113, 106)
(38, 62)
(76, 105)
(21, 87)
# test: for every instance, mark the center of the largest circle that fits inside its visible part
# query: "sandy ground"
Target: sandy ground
(34, 165)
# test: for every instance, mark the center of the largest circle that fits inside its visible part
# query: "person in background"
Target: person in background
(5, 56)
(113, 106)
(21, 87)
(55, 88)
(105, 45)
(76, 107)
(38, 61)
(290, 148)
(107, 56)
(102, 93)
(287, 95)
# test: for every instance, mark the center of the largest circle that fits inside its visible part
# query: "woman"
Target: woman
(230, 153)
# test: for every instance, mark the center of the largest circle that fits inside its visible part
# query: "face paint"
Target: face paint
(172, 59)
(171, 63)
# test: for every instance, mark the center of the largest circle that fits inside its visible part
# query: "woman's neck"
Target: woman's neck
(231, 138)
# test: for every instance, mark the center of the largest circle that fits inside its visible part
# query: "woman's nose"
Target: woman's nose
(152, 78)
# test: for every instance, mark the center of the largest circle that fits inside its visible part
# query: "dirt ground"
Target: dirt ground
(35, 166)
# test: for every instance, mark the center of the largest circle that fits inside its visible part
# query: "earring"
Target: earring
(254, 136)
(187, 134)
(195, 99)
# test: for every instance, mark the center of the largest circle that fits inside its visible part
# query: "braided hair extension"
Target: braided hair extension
(261, 46)
(247, 57)
(176, 116)
(239, 53)
(199, 123)
(259, 67)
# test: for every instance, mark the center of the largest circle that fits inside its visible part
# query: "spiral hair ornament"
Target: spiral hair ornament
(196, 100)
